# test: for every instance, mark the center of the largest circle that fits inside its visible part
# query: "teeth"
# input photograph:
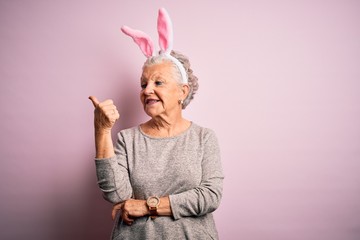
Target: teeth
(151, 101)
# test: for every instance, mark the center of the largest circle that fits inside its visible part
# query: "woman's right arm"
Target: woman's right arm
(112, 172)
(105, 116)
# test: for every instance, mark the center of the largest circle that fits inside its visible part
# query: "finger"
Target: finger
(110, 115)
(107, 107)
(106, 102)
(94, 100)
(126, 218)
(113, 213)
(128, 221)
(115, 209)
(114, 118)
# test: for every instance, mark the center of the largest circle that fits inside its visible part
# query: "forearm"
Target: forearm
(164, 208)
(135, 208)
(198, 201)
(103, 143)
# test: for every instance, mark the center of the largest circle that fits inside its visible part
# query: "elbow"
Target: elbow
(113, 194)
(211, 201)
(215, 201)
(116, 196)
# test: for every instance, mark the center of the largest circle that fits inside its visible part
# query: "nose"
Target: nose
(149, 89)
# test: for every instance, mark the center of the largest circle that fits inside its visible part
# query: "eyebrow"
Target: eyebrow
(153, 77)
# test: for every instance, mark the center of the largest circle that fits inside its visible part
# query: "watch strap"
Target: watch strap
(153, 212)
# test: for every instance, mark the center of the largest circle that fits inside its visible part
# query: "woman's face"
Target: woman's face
(160, 93)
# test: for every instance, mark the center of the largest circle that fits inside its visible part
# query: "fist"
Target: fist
(105, 114)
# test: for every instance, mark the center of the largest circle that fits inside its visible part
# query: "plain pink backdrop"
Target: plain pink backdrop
(279, 83)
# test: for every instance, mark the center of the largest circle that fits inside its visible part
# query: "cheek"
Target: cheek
(142, 96)
(172, 98)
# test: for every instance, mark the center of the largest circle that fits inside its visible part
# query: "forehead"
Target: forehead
(163, 69)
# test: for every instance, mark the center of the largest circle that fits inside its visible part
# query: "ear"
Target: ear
(141, 39)
(185, 89)
(165, 31)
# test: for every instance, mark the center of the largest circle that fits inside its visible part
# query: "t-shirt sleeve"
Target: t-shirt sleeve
(207, 196)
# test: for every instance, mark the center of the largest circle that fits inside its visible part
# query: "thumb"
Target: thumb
(94, 100)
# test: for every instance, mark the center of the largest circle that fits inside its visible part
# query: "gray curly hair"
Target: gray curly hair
(192, 79)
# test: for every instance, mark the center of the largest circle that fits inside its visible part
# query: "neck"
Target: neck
(165, 126)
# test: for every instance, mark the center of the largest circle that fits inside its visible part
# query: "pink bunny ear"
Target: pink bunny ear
(141, 39)
(165, 31)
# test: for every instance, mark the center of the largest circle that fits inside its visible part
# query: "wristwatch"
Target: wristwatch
(153, 203)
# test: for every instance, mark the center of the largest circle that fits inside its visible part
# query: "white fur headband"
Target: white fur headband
(165, 31)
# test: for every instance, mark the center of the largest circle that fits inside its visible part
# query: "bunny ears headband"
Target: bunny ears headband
(165, 31)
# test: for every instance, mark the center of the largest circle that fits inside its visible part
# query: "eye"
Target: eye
(143, 85)
(158, 83)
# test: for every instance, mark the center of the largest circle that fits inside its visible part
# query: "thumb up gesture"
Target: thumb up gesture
(105, 114)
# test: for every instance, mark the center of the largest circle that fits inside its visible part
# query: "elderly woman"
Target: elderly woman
(164, 176)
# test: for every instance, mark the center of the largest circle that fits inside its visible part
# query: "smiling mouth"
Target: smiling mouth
(151, 101)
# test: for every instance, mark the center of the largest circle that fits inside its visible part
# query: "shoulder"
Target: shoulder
(128, 133)
(203, 132)
(207, 139)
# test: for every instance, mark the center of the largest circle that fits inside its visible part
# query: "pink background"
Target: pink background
(279, 83)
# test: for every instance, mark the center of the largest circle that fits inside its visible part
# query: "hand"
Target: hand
(130, 209)
(105, 113)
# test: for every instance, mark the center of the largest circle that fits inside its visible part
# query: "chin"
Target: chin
(151, 114)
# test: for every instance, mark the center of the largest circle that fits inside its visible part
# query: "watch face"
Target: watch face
(153, 201)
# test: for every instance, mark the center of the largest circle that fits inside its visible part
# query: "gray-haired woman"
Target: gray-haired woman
(164, 176)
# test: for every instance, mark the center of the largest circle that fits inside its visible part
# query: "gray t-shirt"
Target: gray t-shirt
(185, 167)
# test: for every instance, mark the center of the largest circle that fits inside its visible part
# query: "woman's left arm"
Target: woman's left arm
(206, 197)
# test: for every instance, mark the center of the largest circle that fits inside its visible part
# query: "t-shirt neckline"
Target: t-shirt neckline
(164, 138)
